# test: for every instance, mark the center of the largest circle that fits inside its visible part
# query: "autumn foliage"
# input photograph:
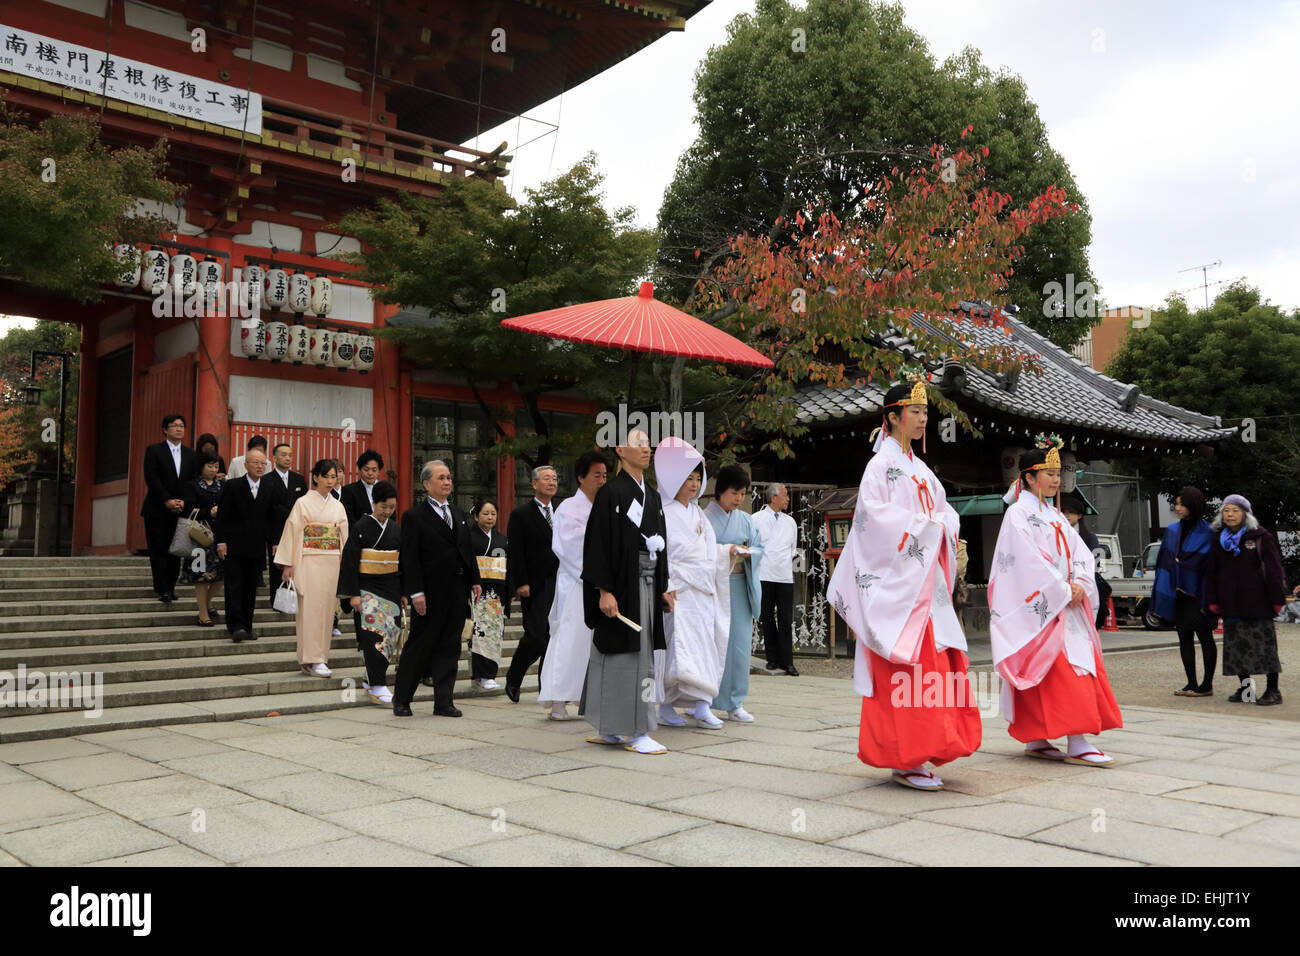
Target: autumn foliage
(826, 300)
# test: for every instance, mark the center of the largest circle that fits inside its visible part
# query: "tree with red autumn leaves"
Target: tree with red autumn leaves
(822, 298)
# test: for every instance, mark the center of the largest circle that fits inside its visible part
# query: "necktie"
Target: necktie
(546, 513)
(446, 515)
(253, 486)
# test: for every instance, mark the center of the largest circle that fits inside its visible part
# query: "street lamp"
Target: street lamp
(33, 397)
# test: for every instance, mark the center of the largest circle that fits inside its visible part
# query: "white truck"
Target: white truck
(1131, 595)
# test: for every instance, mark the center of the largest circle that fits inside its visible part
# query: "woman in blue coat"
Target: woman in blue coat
(1179, 592)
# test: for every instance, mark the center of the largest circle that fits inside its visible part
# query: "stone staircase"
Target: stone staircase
(71, 616)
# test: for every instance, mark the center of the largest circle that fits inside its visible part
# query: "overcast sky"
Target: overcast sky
(1180, 122)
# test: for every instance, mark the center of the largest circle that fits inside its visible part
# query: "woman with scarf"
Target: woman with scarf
(370, 582)
(1179, 591)
(1244, 585)
(493, 607)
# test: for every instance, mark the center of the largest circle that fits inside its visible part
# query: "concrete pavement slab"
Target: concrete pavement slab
(84, 840)
(608, 823)
(723, 845)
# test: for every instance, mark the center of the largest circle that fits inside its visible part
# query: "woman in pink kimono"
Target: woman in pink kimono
(1042, 608)
(310, 549)
(893, 586)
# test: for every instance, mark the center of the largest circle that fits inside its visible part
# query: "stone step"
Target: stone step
(279, 674)
(206, 648)
(56, 561)
(41, 726)
(180, 629)
(61, 575)
(139, 585)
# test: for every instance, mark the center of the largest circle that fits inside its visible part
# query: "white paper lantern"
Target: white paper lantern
(277, 340)
(1068, 465)
(322, 341)
(277, 289)
(299, 344)
(322, 295)
(365, 359)
(128, 257)
(153, 278)
(185, 274)
(345, 349)
(299, 292)
(252, 290)
(252, 338)
(1011, 464)
(210, 280)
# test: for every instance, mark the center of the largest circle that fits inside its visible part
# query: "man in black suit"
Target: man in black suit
(532, 568)
(246, 520)
(358, 497)
(289, 487)
(168, 465)
(439, 572)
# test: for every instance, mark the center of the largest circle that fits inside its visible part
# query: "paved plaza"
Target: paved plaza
(505, 786)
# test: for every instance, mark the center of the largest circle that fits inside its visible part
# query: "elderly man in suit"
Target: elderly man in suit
(439, 573)
(532, 569)
(289, 487)
(168, 465)
(244, 530)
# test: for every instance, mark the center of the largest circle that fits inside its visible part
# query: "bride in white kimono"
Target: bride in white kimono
(689, 672)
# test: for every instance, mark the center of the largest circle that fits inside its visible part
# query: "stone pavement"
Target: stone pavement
(505, 786)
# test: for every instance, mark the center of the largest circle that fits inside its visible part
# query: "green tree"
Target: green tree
(68, 198)
(473, 257)
(809, 107)
(21, 427)
(1239, 359)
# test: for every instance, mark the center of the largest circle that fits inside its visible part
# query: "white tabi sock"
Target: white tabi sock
(646, 744)
(560, 709)
(668, 715)
(701, 710)
(1079, 744)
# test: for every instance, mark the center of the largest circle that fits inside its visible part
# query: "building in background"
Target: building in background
(1104, 339)
(280, 117)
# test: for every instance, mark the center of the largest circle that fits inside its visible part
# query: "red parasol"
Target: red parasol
(639, 323)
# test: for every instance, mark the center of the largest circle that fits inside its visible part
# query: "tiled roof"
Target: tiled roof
(1068, 393)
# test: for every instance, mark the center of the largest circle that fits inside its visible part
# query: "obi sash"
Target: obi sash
(491, 569)
(374, 561)
(320, 537)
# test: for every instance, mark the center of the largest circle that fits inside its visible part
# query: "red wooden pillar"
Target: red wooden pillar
(406, 470)
(87, 427)
(212, 381)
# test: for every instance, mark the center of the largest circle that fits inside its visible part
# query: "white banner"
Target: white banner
(80, 67)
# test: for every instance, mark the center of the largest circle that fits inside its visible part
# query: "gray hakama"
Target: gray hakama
(618, 697)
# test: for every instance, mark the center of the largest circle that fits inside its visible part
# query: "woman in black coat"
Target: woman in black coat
(1244, 584)
(201, 494)
(489, 547)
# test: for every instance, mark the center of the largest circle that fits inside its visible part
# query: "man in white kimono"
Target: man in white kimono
(570, 645)
(893, 586)
(689, 672)
(1042, 601)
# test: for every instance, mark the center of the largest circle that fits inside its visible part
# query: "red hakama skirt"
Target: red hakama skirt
(903, 728)
(1064, 703)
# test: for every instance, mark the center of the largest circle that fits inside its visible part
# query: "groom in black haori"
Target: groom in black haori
(625, 592)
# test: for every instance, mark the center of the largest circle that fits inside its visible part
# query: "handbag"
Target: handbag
(200, 533)
(182, 544)
(286, 598)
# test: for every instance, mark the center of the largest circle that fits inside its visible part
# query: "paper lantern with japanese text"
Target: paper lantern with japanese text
(277, 341)
(128, 258)
(299, 344)
(322, 342)
(153, 278)
(299, 292)
(210, 280)
(185, 274)
(322, 295)
(252, 338)
(365, 359)
(345, 350)
(252, 289)
(277, 289)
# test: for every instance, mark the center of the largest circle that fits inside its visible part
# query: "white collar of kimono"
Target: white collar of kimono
(326, 496)
(675, 459)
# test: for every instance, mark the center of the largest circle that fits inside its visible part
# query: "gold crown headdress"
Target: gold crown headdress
(1052, 444)
(917, 396)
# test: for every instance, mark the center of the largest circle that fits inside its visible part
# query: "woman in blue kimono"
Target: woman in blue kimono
(733, 526)
(1179, 591)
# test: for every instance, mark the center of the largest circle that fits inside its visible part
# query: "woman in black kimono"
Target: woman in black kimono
(370, 580)
(625, 576)
(490, 548)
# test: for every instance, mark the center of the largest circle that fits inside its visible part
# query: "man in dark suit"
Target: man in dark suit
(358, 497)
(246, 520)
(439, 572)
(168, 465)
(289, 487)
(532, 568)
